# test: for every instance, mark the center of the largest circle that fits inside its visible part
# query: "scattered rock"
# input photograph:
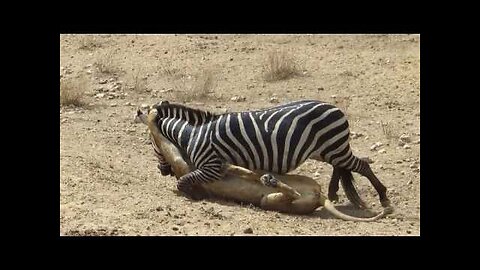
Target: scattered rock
(381, 151)
(273, 100)
(128, 104)
(405, 138)
(407, 146)
(248, 230)
(409, 232)
(175, 228)
(410, 182)
(89, 71)
(417, 141)
(402, 172)
(103, 81)
(333, 96)
(320, 88)
(375, 146)
(355, 135)
(113, 105)
(99, 89)
(101, 95)
(166, 91)
(399, 161)
(238, 98)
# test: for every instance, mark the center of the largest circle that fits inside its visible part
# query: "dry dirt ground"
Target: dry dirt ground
(109, 181)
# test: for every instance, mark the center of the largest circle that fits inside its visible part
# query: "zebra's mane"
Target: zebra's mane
(166, 109)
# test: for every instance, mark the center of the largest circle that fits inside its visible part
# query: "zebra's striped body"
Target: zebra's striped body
(276, 140)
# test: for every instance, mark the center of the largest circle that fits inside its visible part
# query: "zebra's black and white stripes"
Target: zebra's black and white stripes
(276, 140)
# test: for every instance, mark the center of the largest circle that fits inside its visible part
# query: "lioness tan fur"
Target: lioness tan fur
(296, 194)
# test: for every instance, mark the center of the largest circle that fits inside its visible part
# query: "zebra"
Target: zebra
(275, 140)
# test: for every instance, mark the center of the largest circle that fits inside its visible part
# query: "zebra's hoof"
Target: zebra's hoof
(385, 203)
(333, 197)
(269, 180)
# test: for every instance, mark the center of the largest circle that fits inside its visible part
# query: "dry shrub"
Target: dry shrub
(280, 66)
(343, 103)
(138, 83)
(203, 84)
(105, 64)
(167, 70)
(389, 130)
(89, 42)
(72, 91)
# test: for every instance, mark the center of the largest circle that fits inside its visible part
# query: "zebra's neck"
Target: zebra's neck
(187, 136)
(193, 116)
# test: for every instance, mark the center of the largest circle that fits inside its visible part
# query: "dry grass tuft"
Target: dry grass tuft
(389, 130)
(280, 66)
(105, 64)
(167, 70)
(138, 82)
(202, 85)
(343, 103)
(71, 92)
(89, 43)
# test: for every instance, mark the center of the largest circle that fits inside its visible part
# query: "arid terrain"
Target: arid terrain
(109, 181)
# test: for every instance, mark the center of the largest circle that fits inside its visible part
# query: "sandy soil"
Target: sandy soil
(110, 184)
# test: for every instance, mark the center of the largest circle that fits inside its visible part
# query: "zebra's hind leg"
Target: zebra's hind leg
(364, 169)
(333, 186)
(350, 191)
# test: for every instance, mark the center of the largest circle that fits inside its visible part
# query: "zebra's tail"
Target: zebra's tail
(346, 178)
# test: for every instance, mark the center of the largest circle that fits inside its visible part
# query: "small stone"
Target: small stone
(375, 146)
(399, 161)
(102, 81)
(402, 172)
(175, 228)
(273, 100)
(407, 146)
(405, 138)
(113, 105)
(101, 95)
(417, 141)
(89, 71)
(238, 99)
(409, 232)
(333, 96)
(410, 182)
(128, 104)
(381, 151)
(248, 230)
(320, 88)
